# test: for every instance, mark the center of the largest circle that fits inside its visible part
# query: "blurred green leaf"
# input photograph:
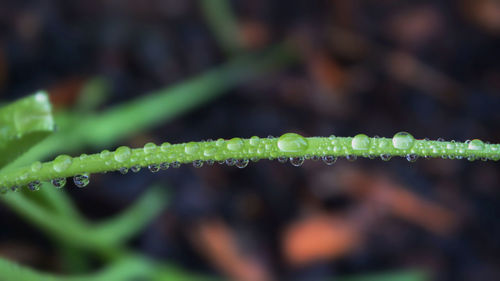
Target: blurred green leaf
(93, 94)
(223, 24)
(23, 124)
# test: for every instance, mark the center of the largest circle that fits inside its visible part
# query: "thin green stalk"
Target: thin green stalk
(238, 152)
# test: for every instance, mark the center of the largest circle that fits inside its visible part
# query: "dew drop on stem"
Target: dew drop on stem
(297, 161)
(329, 159)
(82, 180)
(197, 163)
(242, 163)
(58, 182)
(153, 168)
(34, 185)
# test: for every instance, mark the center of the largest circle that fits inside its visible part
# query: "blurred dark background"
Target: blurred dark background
(376, 67)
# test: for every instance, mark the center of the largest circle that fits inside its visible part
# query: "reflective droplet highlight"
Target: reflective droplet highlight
(149, 148)
(36, 166)
(242, 163)
(34, 185)
(153, 168)
(61, 163)
(476, 145)
(122, 154)
(329, 159)
(192, 148)
(297, 161)
(360, 142)
(81, 180)
(291, 142)
(235, 144)
(403, 140)
(59, 182)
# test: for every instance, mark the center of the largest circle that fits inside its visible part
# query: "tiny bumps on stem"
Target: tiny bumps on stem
(239, 152)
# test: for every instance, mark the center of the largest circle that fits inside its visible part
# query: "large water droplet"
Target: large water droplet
(104, 154)
(122, 154)
(360, 142)
(476, 145)
(403, 140)
(164, 166)
(135, 168)
(297, 161)
(235, 144)
(61, 163)
(36, 166)
(81, 180)
(291, 142)
(191, 148)
(209, 151)
(242, 163)
(59, 182)
(149, 148)
(329, 159)
(255, 140)
(165, 146)
(34, 185)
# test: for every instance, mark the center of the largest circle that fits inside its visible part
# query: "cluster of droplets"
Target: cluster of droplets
(289, 147)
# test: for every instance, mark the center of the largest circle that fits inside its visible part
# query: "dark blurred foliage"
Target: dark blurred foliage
(377, 67)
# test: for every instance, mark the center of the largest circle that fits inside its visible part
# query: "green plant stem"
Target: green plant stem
(244, 149)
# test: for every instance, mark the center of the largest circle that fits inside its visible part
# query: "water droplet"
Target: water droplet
(149, 148)
(476, 145)
(59, 182)
(329, 159)
(315, 158)
(385, 157)
(403, 140)
(351, 157)
(235, 144)
(135, 168)
(61, 163)
(282, 159)
(191, 148)
(210, 162)
(105, 153)
(230, 162)
(153, 168)
(123, 170)
(471, 158)
(165, 146)
(242, 163)
(34, 185)
(360, 142)
(219, 142)
(254, 159)
(297, 161)
(197, 163)
(209, 151)
(175, 164)
(36, 166)
(81, 180)
(164, 166)
(255, 140)
(411, 157)
(440, 140)
(291, 142)
(83, 156)
(15, 188)
(122, 154)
